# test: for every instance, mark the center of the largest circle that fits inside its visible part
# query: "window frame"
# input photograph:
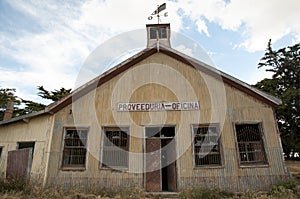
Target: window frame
(74, 166)
(125, 129)
(219, 141)
(242, 164)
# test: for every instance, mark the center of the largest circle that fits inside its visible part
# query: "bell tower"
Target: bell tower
(158, 34)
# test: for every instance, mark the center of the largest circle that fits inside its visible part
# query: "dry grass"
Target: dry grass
(294, 167)
(16, 190)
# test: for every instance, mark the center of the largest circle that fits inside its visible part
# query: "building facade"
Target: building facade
(160, 120)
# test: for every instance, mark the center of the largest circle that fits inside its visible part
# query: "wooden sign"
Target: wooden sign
(157, 106)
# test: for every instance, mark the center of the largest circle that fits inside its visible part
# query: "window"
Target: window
(250, 144)
(206, 145)
(115, 147)
(162, 32)
(74, 152)
(163, 132)
(26, 145)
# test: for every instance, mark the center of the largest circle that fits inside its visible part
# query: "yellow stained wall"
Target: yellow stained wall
(155, 79)
(36, 130)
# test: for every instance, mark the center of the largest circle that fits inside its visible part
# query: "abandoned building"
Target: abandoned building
(160, 120)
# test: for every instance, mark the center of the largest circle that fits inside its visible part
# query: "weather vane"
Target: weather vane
(157, 11)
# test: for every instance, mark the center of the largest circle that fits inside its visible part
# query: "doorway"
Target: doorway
(160, 149)
(26, 145)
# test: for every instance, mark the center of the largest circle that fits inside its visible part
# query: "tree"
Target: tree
(284, 84)
(53, 95)
(28, 106)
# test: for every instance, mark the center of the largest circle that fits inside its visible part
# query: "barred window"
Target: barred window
(250, 144)
(206, 145)
(74, 152)
(115, 147)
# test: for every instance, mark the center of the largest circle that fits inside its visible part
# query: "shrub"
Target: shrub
(286, 189)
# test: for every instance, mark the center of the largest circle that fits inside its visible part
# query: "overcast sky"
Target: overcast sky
(47, 42)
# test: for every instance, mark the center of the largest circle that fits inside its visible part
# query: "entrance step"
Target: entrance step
(163, 194)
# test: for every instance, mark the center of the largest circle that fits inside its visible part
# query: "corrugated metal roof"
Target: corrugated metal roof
(25, 118)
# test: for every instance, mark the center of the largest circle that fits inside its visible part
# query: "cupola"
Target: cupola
(158, 34)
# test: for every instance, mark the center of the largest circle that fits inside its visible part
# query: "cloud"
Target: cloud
(202, 27)
(259, 20)
(185, 50)
(66, 32)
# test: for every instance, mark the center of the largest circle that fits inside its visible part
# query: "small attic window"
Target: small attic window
(162, 32)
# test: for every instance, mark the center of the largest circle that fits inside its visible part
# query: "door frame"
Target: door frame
(144, 150)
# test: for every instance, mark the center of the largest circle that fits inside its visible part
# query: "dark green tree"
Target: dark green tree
(28, 106)
(284, 84)
(53, 95)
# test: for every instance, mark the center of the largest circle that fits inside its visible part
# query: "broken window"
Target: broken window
(250, 144)
(74, 153)
(115, 147)
(206, 143)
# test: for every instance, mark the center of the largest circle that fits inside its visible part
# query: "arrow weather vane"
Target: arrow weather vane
(157, 11)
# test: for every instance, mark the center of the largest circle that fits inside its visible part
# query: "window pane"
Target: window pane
(163, 32)
(115, 157)
(210, 159)
(153, 33)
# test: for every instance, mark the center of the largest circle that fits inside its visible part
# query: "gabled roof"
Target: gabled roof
(123, 66)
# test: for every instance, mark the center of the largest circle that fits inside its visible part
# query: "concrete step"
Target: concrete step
(163, 194)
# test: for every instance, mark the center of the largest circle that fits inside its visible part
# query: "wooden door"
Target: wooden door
(171, 168)
(153, 165)
(19, 163)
